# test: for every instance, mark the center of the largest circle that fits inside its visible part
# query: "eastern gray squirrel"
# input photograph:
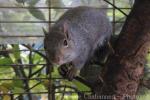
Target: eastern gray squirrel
(74, 38)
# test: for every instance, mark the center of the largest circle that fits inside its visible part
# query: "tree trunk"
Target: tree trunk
(125, 68)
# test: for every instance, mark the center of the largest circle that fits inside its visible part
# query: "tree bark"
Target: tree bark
(125, 67)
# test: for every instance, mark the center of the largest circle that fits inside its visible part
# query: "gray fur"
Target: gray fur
(87, 28)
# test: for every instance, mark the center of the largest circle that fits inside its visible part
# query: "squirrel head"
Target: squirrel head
(59, 46)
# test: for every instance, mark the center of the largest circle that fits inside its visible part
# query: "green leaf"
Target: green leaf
(38, 88)
(55, 72)
(8, 85)
(81, 86)
(3, 89)
(5, 61)
(5, 69)
(18, 83)
(37, 58)
(18, 90)
(37, 13)
(6, 97)
(15, 56)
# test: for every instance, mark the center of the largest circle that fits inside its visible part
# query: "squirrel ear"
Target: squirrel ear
(45, 32)
(65, 29)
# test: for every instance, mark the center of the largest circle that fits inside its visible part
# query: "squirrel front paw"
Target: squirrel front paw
(72, 72)
(68, 72)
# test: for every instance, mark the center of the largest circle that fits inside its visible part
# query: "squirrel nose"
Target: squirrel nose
(56, 60)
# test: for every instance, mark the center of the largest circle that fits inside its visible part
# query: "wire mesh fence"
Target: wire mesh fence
(24, 71)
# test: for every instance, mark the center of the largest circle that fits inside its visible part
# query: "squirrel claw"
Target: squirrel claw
(66, 72)
(71, 73)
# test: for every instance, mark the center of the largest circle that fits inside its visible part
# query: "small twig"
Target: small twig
(30, 62)
(42, 55)
(37, 71)
(29, 89)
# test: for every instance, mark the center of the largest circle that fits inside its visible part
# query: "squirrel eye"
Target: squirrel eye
(65, 43)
